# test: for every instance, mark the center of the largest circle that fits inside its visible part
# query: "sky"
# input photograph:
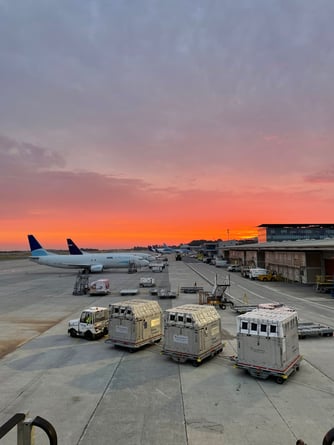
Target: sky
(126, 123)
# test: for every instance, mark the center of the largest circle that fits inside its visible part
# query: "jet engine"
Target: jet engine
(96, 268)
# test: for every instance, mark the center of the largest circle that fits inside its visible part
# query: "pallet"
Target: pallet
(310, 329)
(190, 289)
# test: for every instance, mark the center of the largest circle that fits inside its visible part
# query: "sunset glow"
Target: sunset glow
(139, 123)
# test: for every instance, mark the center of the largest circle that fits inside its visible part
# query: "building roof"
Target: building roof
(306, 244)
(308, 226)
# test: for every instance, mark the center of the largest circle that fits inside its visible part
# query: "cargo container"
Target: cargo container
(192, 332)
(267, 342)
(135, 323)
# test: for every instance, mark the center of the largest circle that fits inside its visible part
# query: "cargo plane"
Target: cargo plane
(75, 250)
(167, 249)
(91, 262)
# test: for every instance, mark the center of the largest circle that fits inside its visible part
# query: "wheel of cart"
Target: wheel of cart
(279, 379)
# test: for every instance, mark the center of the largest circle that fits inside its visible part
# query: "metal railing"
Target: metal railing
(25, 429)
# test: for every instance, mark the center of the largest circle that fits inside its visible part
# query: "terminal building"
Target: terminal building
(302, 253)
(294, 232)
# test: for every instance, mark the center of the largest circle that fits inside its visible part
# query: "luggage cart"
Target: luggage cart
(310, 329)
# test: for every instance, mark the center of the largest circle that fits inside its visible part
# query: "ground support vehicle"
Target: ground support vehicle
(234, 268)
(92, 324)
(310, 329)
(135, 323)
(220, 263)
(220, 301)
(164, 293)
(217, 296)
(81, 285)
(99, 287)
(270, 276)
(255, 272)
(325, 284)
(192, 332)
(268, 344)
(146, 282)
(244, 271)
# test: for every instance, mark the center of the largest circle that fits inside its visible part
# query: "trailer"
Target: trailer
(125, 292)
(310, 329)
(268, 343)
(191, 289)
(135, 323)
(192, 333)
(244, 308)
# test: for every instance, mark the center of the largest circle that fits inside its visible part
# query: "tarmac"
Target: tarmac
(92, 392)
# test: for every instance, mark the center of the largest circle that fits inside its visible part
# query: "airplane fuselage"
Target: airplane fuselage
(89, 261)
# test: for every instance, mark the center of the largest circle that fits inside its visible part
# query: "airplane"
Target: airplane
(75, 250)
(167, 249)
(91, 262)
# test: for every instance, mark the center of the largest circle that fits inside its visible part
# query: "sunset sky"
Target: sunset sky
(128, 123)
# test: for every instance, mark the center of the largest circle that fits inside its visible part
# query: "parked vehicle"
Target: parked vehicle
(92, 324)
(270, 276)
(221, 263)
(147, 282)
(244, 270)
(255, 272)
(234, 268)
(99, 287)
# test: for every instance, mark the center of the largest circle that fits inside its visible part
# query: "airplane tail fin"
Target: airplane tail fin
(36, 248)
(73, 248)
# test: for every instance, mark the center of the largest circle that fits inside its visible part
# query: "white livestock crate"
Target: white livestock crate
(192, 332)
(268, 343)
(135, 323)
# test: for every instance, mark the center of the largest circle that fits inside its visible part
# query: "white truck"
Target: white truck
(92, 324)
(147, 282)
(99, 287)
(256, 271)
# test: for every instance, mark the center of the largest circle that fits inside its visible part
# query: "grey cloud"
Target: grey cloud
(16, 156)
(147, 77)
